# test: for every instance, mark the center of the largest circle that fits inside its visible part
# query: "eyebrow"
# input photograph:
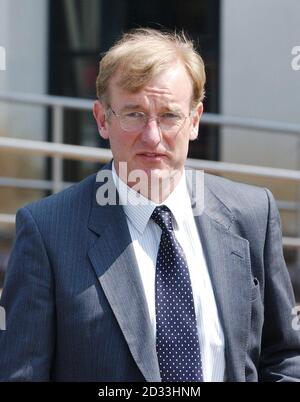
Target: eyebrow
(131, 107)
(136, 106)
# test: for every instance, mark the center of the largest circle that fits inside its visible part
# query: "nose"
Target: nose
(151, 134)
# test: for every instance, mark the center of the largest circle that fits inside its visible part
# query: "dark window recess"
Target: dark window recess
(81, 31)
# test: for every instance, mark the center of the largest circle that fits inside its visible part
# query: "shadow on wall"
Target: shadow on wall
(3, 265)
(295, 278)
(6, 242)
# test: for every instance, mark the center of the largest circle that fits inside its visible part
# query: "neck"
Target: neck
(154, 187)
(158, 189)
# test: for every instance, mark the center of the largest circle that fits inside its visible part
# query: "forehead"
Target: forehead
(171, 86)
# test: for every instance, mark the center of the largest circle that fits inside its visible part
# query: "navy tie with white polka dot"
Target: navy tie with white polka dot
(177, 342)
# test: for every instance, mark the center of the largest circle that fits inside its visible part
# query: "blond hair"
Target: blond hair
(142, 54)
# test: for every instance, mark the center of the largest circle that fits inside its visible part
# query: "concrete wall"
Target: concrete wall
(257, 79)
(23, 32)
(24, 35)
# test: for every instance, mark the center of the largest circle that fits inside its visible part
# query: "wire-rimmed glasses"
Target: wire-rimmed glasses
(134, 121)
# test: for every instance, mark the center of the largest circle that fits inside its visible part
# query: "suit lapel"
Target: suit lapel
(228, 261)
(114, 262)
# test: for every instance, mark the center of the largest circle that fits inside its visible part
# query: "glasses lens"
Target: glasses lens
(167, 122)
(171, 122)
(133, 121)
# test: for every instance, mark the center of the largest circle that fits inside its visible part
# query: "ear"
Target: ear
(196, 116)
(101, 119)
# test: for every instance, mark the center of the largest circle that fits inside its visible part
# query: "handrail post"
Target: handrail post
(57, 137)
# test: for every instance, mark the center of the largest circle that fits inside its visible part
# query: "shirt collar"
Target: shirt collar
(138, 209)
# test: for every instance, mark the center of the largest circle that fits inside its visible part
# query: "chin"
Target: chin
(156, 173)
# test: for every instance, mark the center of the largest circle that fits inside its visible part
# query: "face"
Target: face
(160, 155)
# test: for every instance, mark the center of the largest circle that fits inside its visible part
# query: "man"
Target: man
(149, 286)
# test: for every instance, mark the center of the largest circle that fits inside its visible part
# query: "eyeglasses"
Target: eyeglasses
(131, 121)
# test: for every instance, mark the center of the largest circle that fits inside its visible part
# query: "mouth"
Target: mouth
(151, 155)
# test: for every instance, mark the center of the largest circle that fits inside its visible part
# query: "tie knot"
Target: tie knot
(162, 216)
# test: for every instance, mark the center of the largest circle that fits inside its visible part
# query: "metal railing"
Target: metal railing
(59, 151)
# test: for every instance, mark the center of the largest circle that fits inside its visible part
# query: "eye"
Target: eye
(134, 115)
(170, 116)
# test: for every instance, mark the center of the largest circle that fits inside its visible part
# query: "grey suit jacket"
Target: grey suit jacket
(74, 301)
